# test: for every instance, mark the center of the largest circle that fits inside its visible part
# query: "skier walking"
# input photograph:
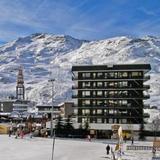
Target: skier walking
(108, 149)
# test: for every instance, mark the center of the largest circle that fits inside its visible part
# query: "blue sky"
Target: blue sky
(84, 19)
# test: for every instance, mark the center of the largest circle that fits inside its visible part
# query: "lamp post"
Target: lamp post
(52, 82)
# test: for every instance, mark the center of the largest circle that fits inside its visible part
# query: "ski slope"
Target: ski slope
(65, 149)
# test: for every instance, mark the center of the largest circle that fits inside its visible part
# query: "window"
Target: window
(99, 120)
(86, 75)
(105, 93)
(2, 109)
(110, 120)
(124, 74)
(86, 84)
(105, 84)
(85, 102)
(94, 84)
(124, 121)
(94, 75)
(85, 120)
(99, 111)
(111, 84)
(99, 75)
(123, 102)
(136, 74)
(105, 75)
(99, 102)
(99, 93)
(111, 111)
(99, 84)
(111, 75)
(86, 93)
(85, 111)
(94, 103)
(94, 93)
(111, 93)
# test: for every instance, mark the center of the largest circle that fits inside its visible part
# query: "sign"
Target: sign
(156, 144)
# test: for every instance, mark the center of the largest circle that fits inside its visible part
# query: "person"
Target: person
(125, 138)
(132, 139)
(89, 138)
(22, 133)
(154, 151)
(10, 130)
(108, 149)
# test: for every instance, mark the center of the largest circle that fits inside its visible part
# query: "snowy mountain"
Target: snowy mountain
(45, 56)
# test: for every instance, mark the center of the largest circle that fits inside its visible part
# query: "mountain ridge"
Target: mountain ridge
(47, 55)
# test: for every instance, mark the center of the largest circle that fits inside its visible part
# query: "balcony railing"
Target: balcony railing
(146, 86)
(146, 115)
(146, 96)
(147, 77)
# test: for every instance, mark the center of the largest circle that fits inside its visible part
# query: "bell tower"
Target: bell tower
(20, 90)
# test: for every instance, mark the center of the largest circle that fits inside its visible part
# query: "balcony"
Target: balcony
(147, 77)
(146, 86)
(146, 96)
(146, 115)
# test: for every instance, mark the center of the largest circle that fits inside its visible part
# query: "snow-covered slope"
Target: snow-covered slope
(45, 56)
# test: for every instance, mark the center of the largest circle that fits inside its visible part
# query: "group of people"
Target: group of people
(20, 130)
(17, 131)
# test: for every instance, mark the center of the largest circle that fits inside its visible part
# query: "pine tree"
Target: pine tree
(141, 133)
(59, 126)
(68, 127)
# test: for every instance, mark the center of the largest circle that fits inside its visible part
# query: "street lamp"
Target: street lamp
(52, 82)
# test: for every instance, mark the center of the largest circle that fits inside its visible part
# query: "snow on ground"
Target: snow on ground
(65, 149)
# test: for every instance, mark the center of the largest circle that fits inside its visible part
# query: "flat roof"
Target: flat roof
(115, 67)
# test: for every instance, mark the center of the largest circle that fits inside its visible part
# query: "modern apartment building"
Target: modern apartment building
(110, 94)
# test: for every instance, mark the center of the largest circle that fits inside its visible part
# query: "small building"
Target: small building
(47, 109)
(67, 109)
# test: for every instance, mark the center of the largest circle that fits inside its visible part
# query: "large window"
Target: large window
(99, 111)
(123, 74)
(99, 93)
(86, 93)
(99, 102)
(111, 75)
(99, 120)
(86, 102)
(85, 111)
(86, 84)
(99, 84)
(86, 75)
(136, 74)
(99, 75)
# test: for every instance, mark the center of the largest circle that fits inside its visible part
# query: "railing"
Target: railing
(133, 147)
(146, 86)
(146, 96)
(147, 77)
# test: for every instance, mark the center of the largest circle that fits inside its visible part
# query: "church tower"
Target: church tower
(20, 90)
